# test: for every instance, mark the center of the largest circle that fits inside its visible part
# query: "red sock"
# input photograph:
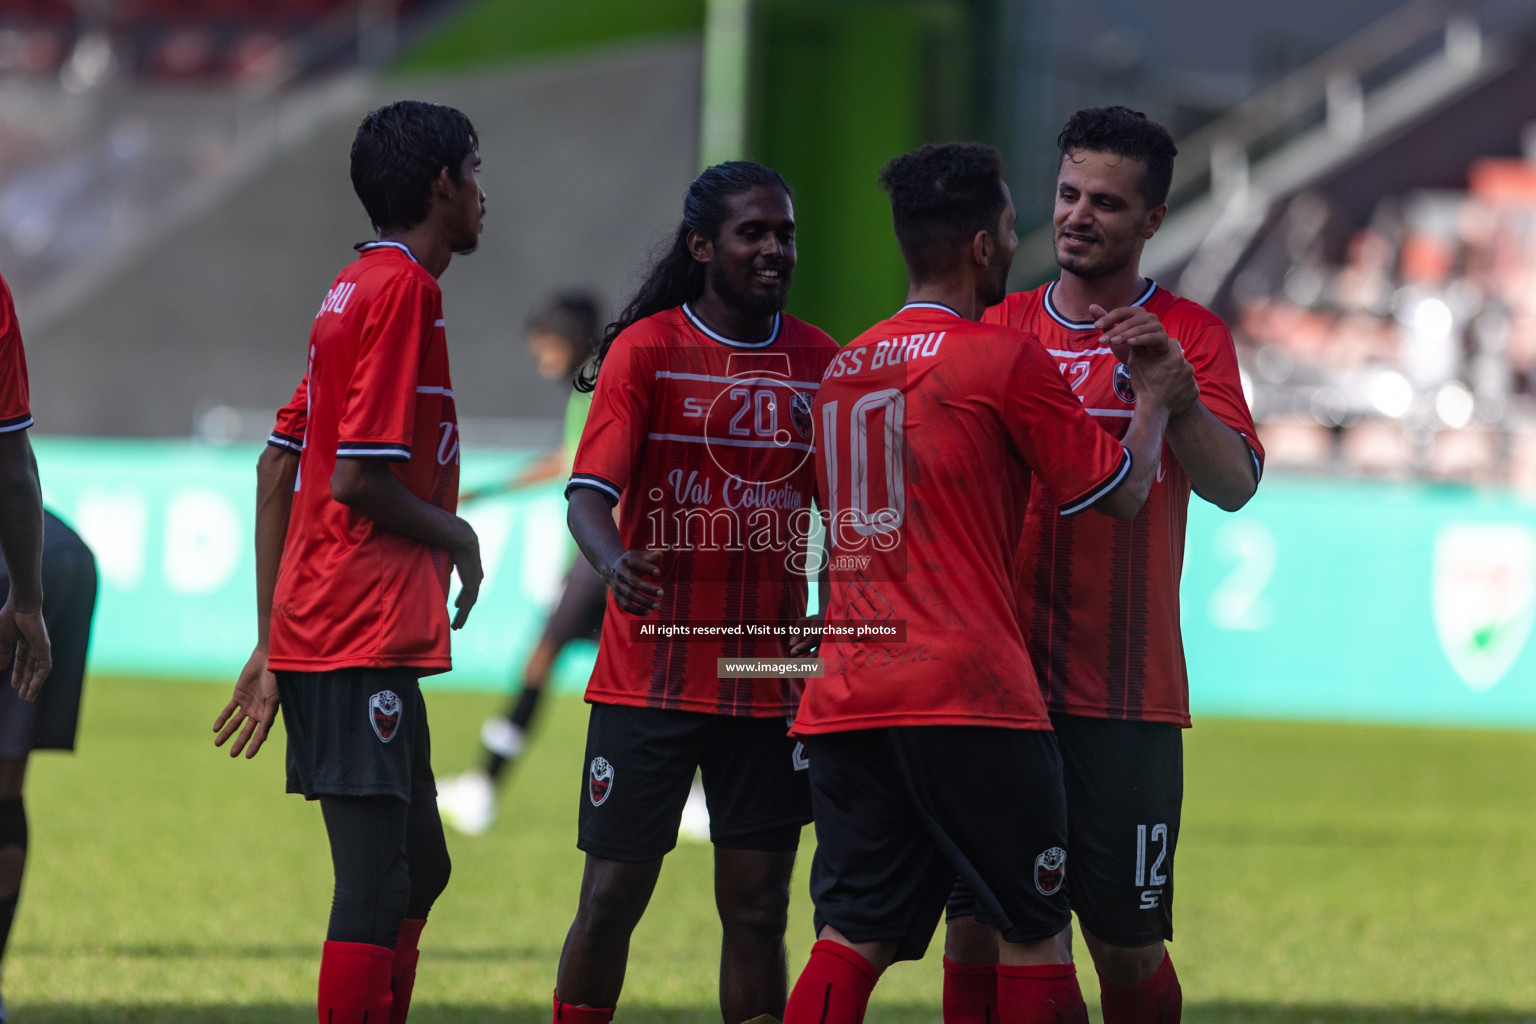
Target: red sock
(402, 971)
(970, 993)
(1042, 994)
(354, 983)
(834, 988)
(1158, 1000)
(565, 1013)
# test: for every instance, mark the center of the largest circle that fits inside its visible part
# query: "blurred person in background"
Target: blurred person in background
(1099, 599)
(356, 538)
(562, 335)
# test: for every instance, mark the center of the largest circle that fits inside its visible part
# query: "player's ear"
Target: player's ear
(701, 246)
(1154, 221)
(983, 248)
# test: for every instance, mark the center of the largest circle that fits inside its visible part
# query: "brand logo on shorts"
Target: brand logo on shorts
(599, 781)
(384, 714)
(799, 758)
(1122, 381)
(1051, 871)
(800, 413)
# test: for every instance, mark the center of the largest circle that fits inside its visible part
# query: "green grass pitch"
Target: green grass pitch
(1326, 874)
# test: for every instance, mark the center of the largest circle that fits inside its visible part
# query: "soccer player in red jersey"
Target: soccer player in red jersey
(931, 753)
(1099, 600)
(700, 431)
(356, 536)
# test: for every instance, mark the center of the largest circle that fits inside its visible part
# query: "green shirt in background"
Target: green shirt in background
(576, 409)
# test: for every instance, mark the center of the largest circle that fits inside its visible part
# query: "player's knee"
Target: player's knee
(368, 906)
(428, 880)
(761, 908)
(610, 906)
(1126, 965)
(968, 941)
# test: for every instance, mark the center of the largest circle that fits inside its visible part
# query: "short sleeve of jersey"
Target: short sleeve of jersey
(1214, 359)
(617, 422)
(1070, 454)
(378, 416)
(15, 396)
(288, 431)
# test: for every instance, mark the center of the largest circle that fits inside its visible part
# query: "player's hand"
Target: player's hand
(810, 636)
(1168, 379)
(252, 708)
(1130, 327)
(629, 579)
(25, 648)
(466, 559)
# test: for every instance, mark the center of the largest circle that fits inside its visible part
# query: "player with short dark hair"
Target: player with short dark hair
(562, 335)
(700, 433)
(1099, 600)
(355, 540)
(931, 755)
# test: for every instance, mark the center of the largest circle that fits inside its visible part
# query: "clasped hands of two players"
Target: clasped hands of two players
(25, 647)
(1157, 364)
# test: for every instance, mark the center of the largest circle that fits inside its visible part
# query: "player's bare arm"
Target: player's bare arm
(24, 645)
(251, 709)
(372, 489)
(1165, 387)
(627, 573)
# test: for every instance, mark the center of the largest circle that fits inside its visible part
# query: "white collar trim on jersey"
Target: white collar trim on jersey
(1086, 325)
(370, 246)
(773, 336)
(928, 305)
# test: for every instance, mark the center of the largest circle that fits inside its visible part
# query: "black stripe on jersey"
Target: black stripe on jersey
(1050, 627)
(21, 422)
(1086, 325)
(1125, 682)
(1084, 501)
(287, 442)
(606, 488)
(373, 450)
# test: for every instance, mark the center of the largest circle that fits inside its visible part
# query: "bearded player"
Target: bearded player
(700, 432)
(931, 753)
(1099, 600)
(355, 539)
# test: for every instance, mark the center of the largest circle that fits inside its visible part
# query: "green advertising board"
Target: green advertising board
(1321, 599)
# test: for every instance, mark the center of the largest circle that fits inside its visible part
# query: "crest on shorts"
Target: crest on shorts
(800, 413)
(599, 781)
(384, 714)
(1051, 871)
(1122, 380)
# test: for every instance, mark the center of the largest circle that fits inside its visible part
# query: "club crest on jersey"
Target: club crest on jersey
(599, 781)
(1122, 380)
(800, 413)
(1051, 871)
(384, 714)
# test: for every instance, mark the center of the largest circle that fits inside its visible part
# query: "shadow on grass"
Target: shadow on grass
(287, 1013)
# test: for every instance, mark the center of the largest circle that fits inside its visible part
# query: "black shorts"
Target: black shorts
(578, 615)
(902, 813)
(1125, 785)
(639, 766)
(69, 602)
(357, 732)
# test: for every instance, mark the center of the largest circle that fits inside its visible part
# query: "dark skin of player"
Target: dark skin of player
(976, 279)
(754, 255)
(24, 646)
(454, 219)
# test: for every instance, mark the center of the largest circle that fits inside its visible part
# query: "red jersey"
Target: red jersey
(15, 399)
(1099, 597)
(705, 443)
(350, 594)
(931, 429)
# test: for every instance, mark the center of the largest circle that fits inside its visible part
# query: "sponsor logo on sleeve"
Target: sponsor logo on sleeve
(384, 714)
(599, 781)
(1051, 871)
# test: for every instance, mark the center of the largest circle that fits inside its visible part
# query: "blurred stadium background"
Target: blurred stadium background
(1355, 195)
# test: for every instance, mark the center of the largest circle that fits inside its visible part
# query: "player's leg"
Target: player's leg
(970, 962)
(426, 853)
(639, 762)
(1124, 784)
(759, 799)
(877, 879)
(13, 839)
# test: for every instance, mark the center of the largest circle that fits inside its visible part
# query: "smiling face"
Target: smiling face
(751, 260)
(1101, 220)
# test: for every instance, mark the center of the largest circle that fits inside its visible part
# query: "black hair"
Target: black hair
(941, 196)
(676, 277)
(398, 152)
(573, 317)
(1128, 133)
